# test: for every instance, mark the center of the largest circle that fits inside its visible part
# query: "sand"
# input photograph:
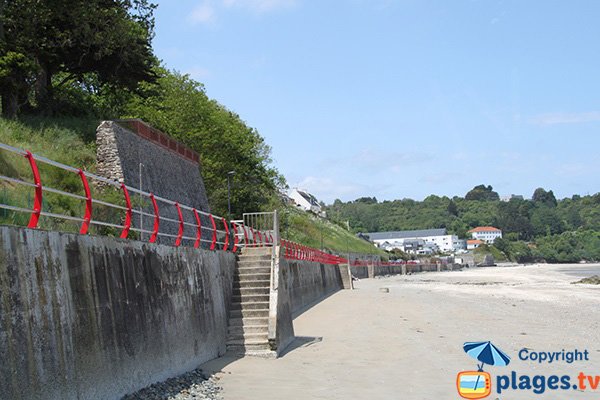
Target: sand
(407, 344)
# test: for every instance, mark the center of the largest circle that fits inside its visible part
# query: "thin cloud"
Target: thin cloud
(327, 189)
(204, 13)
(208, 11)
(198, 73)
(259, 6)
(565, 118)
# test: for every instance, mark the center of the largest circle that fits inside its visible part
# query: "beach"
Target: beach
(401, 337)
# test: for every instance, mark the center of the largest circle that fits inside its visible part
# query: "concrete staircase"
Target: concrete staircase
(249, 315)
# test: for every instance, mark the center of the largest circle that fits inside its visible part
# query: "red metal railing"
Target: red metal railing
(256, 230)
(218, 237)
(296, 251)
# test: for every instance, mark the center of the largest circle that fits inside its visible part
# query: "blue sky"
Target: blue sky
(403, 98)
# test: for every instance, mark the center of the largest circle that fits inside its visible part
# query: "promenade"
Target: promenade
(407, 344)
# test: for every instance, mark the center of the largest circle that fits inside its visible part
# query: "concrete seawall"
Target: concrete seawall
(85, 317)
(371, 271)
(300, 284)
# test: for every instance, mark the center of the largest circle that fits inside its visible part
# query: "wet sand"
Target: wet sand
(407, 344)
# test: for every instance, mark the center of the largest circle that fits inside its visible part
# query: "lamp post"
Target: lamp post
(229, 175)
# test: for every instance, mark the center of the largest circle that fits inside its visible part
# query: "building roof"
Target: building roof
(484, 229)
(476, 241)
(406, 234)
(308, 197)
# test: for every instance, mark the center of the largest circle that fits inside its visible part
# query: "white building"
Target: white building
(473, 244)
(431, 238)
(486, 233)
(306, 201)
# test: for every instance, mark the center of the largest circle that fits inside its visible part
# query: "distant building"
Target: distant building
(511, 197)
(306, 201)
(415, 242)
(460, 244)
(473, 244)
(486, 233)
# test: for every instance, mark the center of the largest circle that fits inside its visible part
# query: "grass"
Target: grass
(71, 141)
(308, 229)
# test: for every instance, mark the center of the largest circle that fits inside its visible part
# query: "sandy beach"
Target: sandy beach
(407, 343)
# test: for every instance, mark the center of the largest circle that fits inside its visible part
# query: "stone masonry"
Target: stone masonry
(169, 170)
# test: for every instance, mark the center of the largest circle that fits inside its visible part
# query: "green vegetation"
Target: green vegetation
(543, 228)
(63, 140)
(310, 230)
(93, 60)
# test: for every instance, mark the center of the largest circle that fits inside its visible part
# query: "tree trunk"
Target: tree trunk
(43, 90)
(10, 103)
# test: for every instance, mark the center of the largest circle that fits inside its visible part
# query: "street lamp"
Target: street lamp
(229, 175)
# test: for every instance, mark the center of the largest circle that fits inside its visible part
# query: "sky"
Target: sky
(403, 98)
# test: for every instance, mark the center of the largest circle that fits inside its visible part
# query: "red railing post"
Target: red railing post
(37, 202)
(226, 244)
(128, 213)
(213, 245)
(235, 237)
(180, 231)
(253, 237)
(88, 204)
(198, 229)
(156, 219)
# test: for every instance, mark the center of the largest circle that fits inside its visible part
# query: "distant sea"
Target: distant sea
(582, 270)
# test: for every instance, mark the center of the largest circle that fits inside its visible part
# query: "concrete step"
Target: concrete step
(249, 313)
(250, 305)
(254, 259)
(262, 337)
(252, 284)
(263, 260)
(248, 321)
(252, 277)
(242, 329)
(254, 269)
(256, 251)
(250, 291)
(254, 349)
(250, 297)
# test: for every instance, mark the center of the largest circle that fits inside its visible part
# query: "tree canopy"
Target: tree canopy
(47, 46)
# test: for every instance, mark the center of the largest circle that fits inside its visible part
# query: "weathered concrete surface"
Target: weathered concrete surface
(298, 285)
(164, 173)
(86, 317)
(407, 344)
(372, 271)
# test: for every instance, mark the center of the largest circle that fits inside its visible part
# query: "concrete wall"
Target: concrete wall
(165, 173)
(299, 285)
(86, 317)
(365, 272)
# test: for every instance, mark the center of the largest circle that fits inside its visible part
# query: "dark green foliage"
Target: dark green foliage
(179, 106)
(546, 229)
(482, 193)
(541, 196)
(47, 47)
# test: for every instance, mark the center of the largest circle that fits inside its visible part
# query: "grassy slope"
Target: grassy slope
(72, 142)
(306, 228)
(66, 140)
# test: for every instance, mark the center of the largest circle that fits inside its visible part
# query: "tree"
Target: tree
(59, 42)
(482, 193)
(179, 106)
(541, 196)
(452, 209)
